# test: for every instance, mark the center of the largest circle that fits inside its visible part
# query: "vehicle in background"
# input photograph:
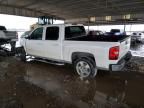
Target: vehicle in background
(137, 37)
(24, 36)
(8, 37)
(67, 43)
(95, 32)
(116, 32)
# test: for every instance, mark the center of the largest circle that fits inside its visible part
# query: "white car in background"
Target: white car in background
(137, 37)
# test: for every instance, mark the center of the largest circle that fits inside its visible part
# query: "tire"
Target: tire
(85, 67)
(13, 48)
(22, 55)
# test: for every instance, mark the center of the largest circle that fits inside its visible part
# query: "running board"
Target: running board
(50, 62)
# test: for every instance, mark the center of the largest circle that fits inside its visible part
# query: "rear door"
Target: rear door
(34, 45)
(53, 42)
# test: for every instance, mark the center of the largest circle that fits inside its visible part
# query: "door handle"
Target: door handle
(39, 43)
(55, 44)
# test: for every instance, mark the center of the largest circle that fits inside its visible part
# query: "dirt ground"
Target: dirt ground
(35, 84)
(39, 85)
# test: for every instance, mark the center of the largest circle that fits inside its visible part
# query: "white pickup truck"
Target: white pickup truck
(68, 43)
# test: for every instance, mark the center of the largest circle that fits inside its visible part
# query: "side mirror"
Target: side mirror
(27, 37)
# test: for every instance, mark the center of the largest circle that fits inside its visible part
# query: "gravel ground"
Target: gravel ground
(136, 65)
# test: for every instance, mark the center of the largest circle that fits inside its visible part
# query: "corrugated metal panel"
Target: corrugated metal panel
(69, 9)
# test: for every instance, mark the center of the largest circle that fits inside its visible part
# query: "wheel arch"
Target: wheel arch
(76, 55)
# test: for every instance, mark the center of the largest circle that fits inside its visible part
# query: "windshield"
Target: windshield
(25, 34)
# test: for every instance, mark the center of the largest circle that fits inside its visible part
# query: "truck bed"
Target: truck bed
(105, 38)
(8, 35)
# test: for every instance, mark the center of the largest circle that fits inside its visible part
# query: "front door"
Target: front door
(34, 45)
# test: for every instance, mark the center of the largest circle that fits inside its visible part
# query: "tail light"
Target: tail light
(114, 53)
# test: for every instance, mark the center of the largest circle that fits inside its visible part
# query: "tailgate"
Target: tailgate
(124, 46)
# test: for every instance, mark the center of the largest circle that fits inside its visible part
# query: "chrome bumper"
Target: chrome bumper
(120, 65)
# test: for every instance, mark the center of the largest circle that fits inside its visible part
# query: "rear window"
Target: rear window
(115, 30)
(134, 33)
(2, 28)
(140, 34)
(74, 32)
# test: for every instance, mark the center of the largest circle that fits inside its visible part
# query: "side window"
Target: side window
(52, 33)
(72, 32)
(37, 34)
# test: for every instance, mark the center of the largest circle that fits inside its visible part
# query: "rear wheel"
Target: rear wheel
(85, 67)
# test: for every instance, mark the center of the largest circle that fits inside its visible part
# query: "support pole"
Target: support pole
(88, 25)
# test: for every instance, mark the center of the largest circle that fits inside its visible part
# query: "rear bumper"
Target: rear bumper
(14, 39)
(120, 65)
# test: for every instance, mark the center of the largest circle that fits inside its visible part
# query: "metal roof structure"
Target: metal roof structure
(70, 9)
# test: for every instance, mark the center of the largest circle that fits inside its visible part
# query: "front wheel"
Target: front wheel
(85, 68)
(22, 54)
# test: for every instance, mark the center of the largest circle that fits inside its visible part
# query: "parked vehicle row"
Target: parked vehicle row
(137, 37)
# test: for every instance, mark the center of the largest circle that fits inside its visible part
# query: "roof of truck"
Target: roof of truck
(64, 25)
